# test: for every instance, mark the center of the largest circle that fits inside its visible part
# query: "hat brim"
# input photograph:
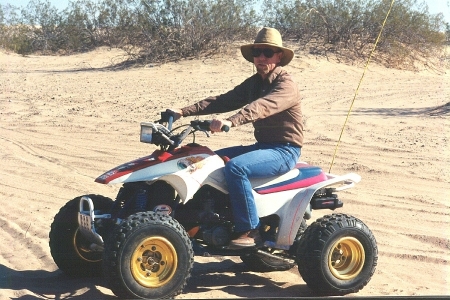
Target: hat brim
(288, 54)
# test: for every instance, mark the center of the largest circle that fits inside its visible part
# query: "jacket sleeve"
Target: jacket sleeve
(229, 101)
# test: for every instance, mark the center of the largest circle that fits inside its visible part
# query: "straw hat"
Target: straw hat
(270, 37)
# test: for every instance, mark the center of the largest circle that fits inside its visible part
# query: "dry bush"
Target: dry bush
(162, 31)
(349, 29)
(155, 31)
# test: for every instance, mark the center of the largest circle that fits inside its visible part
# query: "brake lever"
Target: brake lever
(198, 128)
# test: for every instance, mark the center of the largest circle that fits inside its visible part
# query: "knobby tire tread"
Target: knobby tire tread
(119, 235)
(61, 235)
(310, 252)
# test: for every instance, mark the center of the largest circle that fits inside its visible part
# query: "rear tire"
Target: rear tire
(149, 255)
(70, 251)
(337, 255)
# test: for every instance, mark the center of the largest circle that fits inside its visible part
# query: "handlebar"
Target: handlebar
(168, 117)
(162, 134)
(205, 125)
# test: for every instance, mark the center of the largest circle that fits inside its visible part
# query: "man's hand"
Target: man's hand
(175, 112)
(217, 124)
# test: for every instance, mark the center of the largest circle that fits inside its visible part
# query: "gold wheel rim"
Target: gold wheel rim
(154, 262)
(346, 258)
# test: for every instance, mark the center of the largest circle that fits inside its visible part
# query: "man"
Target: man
(271, 101)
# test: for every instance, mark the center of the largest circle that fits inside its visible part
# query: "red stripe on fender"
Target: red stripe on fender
(295, 185)
(158, 156)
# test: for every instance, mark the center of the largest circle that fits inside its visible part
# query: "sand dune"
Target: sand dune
(66, 120)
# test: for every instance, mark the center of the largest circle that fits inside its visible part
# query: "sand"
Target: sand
(64, 120)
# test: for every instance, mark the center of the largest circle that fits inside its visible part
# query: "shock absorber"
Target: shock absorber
(141, 200)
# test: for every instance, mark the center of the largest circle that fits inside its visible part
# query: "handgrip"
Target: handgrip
(170, 122)
(205, 124)
(167, 116)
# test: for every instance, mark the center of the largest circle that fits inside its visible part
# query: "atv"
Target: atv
(173, 204)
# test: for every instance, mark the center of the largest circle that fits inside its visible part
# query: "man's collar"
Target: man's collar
(274, 74)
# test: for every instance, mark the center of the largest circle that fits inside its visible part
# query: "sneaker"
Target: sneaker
(246, 239)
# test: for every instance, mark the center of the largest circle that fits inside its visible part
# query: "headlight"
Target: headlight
(146, 132)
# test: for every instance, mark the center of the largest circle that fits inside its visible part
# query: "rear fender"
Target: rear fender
(292, 214)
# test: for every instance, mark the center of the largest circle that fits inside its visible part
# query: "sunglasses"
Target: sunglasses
(256, 52)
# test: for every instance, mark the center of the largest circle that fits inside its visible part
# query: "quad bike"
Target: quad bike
(174, 204)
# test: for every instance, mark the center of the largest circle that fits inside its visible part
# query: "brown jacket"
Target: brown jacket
(273, 105)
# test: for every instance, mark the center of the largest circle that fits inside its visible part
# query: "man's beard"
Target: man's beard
(262, 70)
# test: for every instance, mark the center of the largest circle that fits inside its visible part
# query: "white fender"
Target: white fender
(189, 180)
(292, 213)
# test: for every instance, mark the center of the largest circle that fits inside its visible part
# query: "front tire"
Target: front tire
(149, 255)
(337, 255)
(69, 249)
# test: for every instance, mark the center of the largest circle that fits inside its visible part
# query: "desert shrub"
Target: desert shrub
(350, 28)
(323, 25)
(44, 22)
(2, 18)
(411, 33)
(447, 33)
(13, 35)
(165, 30)
(80, 23)
(148, 30)
(19, 39)
(169, 30)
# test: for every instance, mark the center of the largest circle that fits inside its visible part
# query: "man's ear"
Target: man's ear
(280, 56)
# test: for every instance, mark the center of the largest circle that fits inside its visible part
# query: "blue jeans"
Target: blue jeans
(253, 161)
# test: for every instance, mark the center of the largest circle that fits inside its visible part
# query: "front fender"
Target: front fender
(189, 180)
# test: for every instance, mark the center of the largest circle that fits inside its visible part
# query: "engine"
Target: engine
(206, 217)
(217, 236)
